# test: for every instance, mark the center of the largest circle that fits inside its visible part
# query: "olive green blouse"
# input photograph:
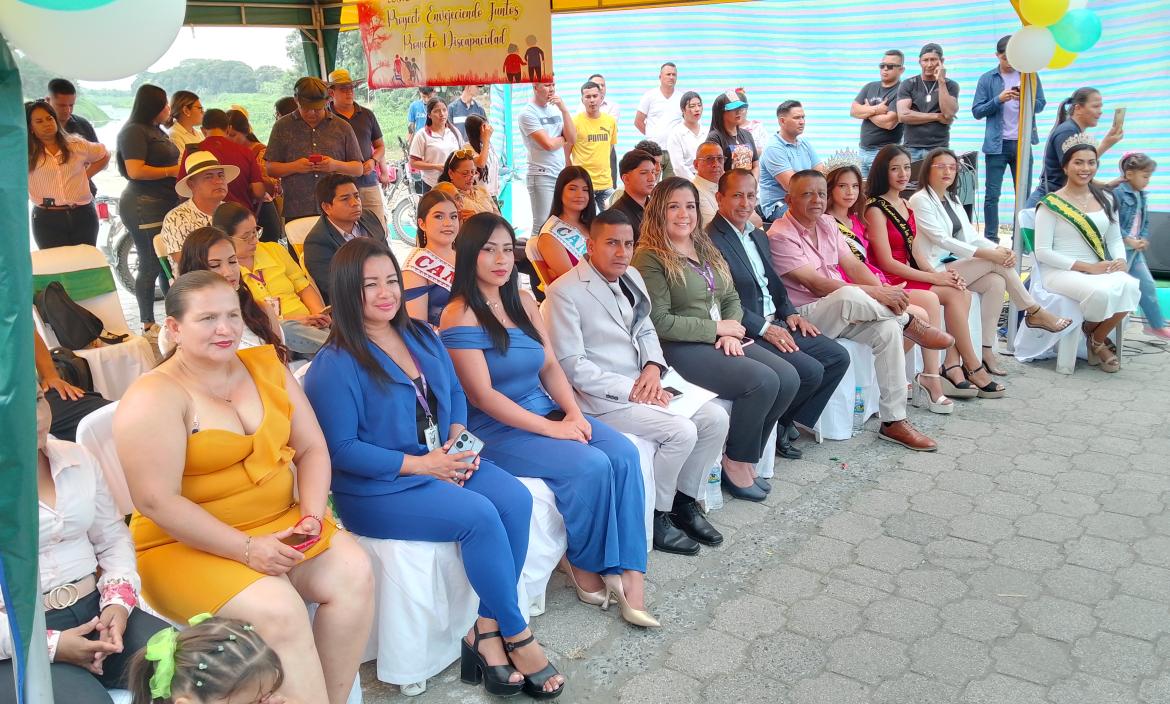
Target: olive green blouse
(681, 312)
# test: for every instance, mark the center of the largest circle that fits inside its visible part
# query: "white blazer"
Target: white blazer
(933, 241)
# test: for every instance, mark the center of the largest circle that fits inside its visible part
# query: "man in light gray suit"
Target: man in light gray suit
(598, 320)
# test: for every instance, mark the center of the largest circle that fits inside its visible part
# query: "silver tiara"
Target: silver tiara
(842, 158)
(1078, 139)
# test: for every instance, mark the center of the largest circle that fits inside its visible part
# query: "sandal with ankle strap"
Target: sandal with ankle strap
(993, 370)
(473, 667)
(534, 683)
(991, 390)
(1104, 355)
(1035, 317)
(962, 389)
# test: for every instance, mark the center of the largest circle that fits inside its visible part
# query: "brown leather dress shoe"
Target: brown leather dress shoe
(924, 335)
(906, 435)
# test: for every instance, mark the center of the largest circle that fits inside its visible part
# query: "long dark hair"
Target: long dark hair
(194, 257)
(346, 280)
(1080, 96)
(719, 107)
(567, 176)
(149, 101)
(238, 121)
(1099, 194)
(474, 127)
(473, 235)
(928, 164)
(858, 207)
(878, 183)
(36, 148)
(428, 201)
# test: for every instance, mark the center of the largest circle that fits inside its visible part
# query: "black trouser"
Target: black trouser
(68, 414)
(269, 221)
(760, 386)
(820, 362)
(62, 227)
(77, 685)
(143, 215)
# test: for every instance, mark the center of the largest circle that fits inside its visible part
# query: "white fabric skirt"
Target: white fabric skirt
(1100, 296)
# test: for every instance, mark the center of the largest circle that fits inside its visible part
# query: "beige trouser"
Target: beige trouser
(851, 314)
(687, 447)
(372, 200)
(990, 280)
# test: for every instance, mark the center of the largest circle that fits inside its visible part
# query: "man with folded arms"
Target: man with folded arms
(768, 314)
(806, 249)
(598, 317)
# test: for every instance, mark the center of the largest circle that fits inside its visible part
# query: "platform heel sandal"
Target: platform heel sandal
(534, 683)
(473, 668)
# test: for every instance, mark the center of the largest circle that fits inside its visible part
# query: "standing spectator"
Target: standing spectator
(997, 98)
(708, 170)
(549, 135)
(658, 111)
(729, 131)
(284, 106)
(149, 161)
(307, 143)
(466, 105)
(430, 146)
(876, 106)
(59, 168)
(369, 136)
(1077, 113)
(205, 186)
(639, 176)
(186, 116)
(596, 139)
(612, 109)
(925, 109)
(416, 114)
(62, 97)
(684, 137)
(248, 188)
(267, 213)
(785, 154)
(479, 138)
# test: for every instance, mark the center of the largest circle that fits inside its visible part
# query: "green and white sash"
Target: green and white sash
(1080, 222)
(567, 235)
(431, 267)
(900, 224)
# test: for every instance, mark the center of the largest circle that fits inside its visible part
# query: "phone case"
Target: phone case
(464, 443)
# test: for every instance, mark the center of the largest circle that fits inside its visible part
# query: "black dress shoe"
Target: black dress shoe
(670, 538)
(764, 484)
(689, 517)
(792, 432)
(751, 493)
(786, 449)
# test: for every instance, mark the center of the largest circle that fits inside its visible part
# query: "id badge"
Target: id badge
(715, 314)
(431, 433)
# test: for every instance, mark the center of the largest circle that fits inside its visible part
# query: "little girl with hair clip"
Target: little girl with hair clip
(215, 661)
(1133, 215)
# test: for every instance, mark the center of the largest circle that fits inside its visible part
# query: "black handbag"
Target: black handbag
(75, 327)
(72, 368)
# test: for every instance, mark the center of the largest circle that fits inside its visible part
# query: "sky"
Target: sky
(253, 45)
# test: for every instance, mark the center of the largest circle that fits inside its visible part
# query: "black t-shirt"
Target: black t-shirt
(924, 98)
(634, 212)
(1052, 177)
(78, 125)
(149, 144)
(872, 136)
(736, 149)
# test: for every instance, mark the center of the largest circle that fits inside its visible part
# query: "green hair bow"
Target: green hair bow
(160, 649)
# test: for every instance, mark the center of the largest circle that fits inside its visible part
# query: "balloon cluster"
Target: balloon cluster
(94, 40)
(1055, 31)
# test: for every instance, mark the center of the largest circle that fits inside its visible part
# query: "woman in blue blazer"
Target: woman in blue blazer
(388, 400)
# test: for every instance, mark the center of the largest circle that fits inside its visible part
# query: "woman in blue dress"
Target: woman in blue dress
(390, 406)
(429, 269)
(495, 338)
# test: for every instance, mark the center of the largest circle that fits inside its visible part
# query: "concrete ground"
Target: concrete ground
(1027, 562)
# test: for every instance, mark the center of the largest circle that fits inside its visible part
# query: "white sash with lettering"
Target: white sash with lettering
(567, 235)
(431, 267)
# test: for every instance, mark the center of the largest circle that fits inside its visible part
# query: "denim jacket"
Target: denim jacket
(986, 105)
(1130, 202)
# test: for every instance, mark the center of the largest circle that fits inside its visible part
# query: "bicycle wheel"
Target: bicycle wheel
(403, 222)
(126, 262)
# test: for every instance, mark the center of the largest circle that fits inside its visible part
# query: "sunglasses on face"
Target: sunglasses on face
(889, 67)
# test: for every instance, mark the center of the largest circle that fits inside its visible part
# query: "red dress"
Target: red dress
(898, 244)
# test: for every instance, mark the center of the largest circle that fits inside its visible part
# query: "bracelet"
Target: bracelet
(320, 523)
(247, 551)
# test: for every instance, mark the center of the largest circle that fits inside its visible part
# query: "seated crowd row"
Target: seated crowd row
(409, 359)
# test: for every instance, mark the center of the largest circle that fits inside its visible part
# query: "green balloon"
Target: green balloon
(1077, 31)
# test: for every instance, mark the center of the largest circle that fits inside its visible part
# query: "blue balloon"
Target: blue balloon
(1077, 31)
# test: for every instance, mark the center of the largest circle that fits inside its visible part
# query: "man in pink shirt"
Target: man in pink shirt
(806, 249)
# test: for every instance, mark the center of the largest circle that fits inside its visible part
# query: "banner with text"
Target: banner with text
(455, 42)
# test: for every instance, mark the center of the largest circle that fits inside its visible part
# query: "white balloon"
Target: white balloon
(111, 41)
(1030, 49)
(1077, 4)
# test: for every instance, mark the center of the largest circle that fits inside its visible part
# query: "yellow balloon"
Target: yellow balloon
(1061, 58)
(1043, 12)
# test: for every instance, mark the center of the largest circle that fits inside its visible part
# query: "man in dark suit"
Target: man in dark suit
(770, 318)
(342, 219)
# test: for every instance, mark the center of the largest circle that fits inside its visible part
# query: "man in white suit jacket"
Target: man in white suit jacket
(598, 321)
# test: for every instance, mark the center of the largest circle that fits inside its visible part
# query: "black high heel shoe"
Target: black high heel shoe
(956, 389)
(534, 683)
(991, 390)
(746, 493)
(473, 668)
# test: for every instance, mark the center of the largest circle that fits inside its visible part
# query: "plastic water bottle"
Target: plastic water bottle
(858, 410)
(714, 495)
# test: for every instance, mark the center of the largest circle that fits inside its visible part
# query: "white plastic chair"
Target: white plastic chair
(95, 433)
(297, 231)
(114, 367)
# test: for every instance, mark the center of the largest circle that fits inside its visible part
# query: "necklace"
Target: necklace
(1083, 200)
(929, 91)
(205, 387)
(497, 309)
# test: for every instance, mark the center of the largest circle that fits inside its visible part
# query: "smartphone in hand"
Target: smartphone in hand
(1119, 118)
(466, 442)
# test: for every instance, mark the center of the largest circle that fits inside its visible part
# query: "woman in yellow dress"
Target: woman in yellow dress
(207, 441)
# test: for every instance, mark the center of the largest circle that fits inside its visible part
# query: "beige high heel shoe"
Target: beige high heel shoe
(591, 598)
(616, 593)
